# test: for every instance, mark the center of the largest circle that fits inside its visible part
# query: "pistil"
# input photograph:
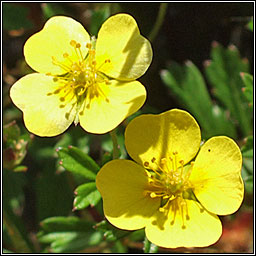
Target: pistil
(169, 181)
(82, 77)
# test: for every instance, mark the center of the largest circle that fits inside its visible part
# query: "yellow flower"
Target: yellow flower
(174, 198)
(81, 79)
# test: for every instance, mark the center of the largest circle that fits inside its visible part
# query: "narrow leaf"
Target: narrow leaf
(76, 161)
(87, 194)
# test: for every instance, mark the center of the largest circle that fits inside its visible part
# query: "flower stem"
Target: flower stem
(149, 247)
(159, 21)
(115, 144)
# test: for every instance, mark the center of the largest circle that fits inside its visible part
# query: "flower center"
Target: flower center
(169, 180)
(82, 77)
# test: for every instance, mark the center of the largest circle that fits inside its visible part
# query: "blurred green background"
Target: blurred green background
(202, 63)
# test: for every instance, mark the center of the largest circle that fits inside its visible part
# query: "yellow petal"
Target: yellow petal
(109, 104)
(119, 40)
(54, 40)
(201, 229)
(121, 184)
(43, 115)
(158, 136)
(216, 176)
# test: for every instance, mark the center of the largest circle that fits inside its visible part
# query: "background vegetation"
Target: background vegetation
(202, 63)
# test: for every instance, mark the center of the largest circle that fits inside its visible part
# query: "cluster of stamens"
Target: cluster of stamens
(81, 78)
(170, 182)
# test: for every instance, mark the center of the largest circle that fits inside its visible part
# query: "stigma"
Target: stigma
(168, 180)
(82, 78)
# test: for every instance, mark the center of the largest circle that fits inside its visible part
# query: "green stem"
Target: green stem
(159, 21)
(149, 247)
(115, 144)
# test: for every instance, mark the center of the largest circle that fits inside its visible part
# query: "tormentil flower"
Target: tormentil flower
(175, 197)
(82, 79)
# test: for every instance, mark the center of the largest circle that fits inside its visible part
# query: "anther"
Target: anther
(88, 45)
(73, 43)
(153, 159)
(107, 81)
(163, 161)
(78, 45)
(65, 55)
(161, 209)
(146, 164)
(153, 195)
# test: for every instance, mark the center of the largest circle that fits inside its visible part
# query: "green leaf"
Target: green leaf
(248, 180)
(250, 24)
(15, 17)
(248, 89)
(7, 251)
(86, 194)
(247, 148)
(98, 17)
(76, 161)
(187, 84)
(119, 247)
(60, 223)
(110, 232)
(20, 168)
(11, 132)
(68, 234)
(248, 165)
(222, 73)
(52, 9)
(149, 247)
(15, 146)
(137, 235)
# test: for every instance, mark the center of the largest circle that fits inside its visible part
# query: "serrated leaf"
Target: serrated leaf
(76, 242)
(110, 232)
(248, 89)
(68, 234)
(247, 149)
(64, 224)
(188, 85)
(222, 73)
(86, 194)
(75, 160)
